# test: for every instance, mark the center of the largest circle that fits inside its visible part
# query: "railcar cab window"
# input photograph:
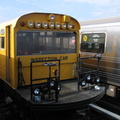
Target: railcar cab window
(93, 42)
(45, 42)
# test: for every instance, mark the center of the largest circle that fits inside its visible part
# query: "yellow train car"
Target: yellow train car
(37, 36)
(39, 62)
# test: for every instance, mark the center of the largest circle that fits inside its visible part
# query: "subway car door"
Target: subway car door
(8, 32)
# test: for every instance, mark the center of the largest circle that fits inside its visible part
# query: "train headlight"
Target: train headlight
(45, 25)
(83, 83)
(64, 26)
(97, 80)
(36, 91)
(37, 98)
(51, 24)
(70, 26)
(30, 23)
(59, 87)
(57, 25)
(37, 24)
(96, 87)
(88, 77)
(51, 17)
(52, 84)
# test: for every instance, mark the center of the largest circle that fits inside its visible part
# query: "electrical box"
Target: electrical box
(111, 91)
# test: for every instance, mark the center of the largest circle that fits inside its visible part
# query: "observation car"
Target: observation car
(39, 54)
(100, 37)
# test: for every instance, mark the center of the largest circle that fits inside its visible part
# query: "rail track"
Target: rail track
(107, 108)
(99, 113)
(9, 110)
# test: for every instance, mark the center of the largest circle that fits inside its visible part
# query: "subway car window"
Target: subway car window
(1, 42)
(93, 42)
(30, 43)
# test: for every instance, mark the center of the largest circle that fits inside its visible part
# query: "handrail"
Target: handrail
(57, 78)
(81, 72)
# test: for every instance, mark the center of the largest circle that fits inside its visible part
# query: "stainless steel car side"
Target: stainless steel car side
(91, 38)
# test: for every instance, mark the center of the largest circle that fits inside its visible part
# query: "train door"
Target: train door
(8, 32)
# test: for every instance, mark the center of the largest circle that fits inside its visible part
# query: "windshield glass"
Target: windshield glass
(45, 42)
(93, 42)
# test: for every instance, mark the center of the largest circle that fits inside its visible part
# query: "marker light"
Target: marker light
(51, 24)
(37, 24)
(45, 25)
(22, 24)
(63, 26)
(30, 23)
(57, 25)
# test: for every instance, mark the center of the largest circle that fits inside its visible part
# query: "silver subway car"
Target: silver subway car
(101, 37)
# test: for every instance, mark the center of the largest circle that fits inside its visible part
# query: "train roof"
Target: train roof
(101, 21)
(14, 21)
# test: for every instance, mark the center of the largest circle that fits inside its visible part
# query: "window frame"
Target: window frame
(93, 51)
(2, 43)
(54, 40)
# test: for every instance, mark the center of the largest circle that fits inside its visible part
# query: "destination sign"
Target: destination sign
(93, 37)
(49, 58)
